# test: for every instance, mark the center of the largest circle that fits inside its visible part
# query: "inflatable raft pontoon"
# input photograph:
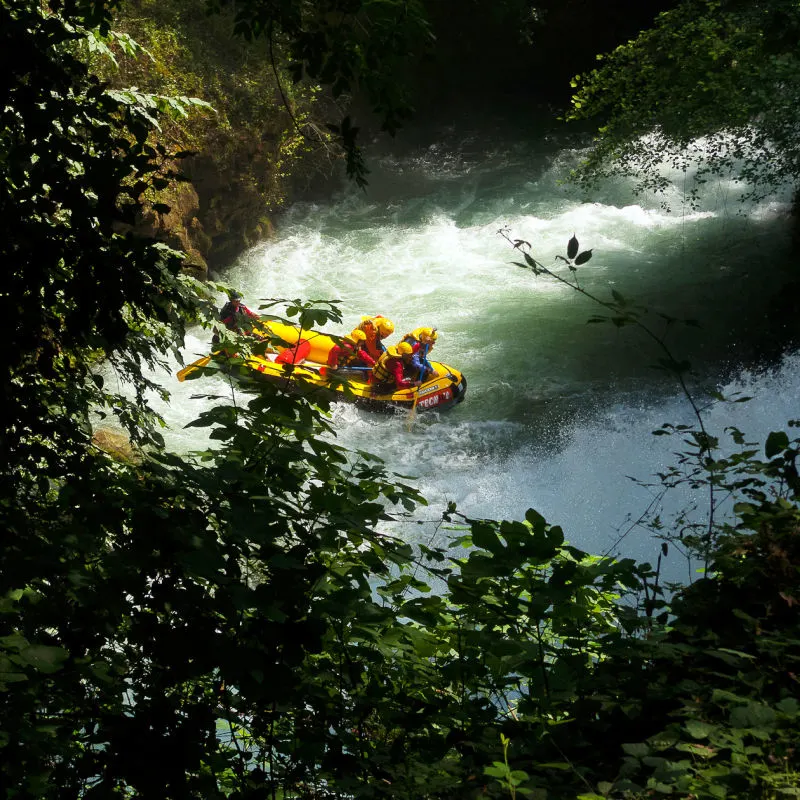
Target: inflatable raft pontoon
(297, 359)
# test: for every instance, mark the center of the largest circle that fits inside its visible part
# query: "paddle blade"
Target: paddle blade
(201, 362)
(412, 415)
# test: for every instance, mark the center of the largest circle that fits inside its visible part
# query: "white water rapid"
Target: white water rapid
(558, 413)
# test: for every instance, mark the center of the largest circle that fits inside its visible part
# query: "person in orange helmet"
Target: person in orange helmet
(376, 329)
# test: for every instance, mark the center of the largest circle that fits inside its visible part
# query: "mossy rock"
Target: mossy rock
(194, 264)
(116, 445)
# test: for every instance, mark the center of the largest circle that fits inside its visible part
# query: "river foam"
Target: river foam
(558, 413)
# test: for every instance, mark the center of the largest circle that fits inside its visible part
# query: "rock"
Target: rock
(117, 445)
(213, 215)
(179, 227)
(195, 265)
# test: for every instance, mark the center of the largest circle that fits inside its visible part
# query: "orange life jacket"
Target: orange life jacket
(370, 328)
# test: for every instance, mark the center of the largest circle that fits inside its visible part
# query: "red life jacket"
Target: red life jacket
(342, 355)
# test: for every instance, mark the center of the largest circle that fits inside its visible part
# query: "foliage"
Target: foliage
(710, 89)
(262, 126)
(717, 715)
(243, 623)
(75, 161)
(347, 45)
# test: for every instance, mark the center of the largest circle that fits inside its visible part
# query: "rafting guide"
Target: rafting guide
(235, 316)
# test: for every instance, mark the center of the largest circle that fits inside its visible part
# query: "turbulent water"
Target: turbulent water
(558, 413)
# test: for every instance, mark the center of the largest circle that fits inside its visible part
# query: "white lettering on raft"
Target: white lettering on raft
(430, 402)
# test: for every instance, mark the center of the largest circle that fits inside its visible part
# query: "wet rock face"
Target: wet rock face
(180, 227)
(213, 217)
(233, 203)
(224, 200)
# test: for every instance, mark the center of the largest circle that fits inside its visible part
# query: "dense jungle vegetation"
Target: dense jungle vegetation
(240, 623)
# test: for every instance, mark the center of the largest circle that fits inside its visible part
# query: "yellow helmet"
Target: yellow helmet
(385, 327)
(428, 335)
(357, 336)
(404, 349)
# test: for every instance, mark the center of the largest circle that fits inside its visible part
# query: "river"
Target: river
(558, 413)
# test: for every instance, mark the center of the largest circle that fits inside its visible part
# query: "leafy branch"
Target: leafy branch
(509, 779)
(625, 313)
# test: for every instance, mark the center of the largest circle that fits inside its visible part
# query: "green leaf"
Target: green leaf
(636, 749)
(572, 247)
(44, 658)
(10, 676)
(752, 715)
(699, 730)
(777, 442)
(485, 537)
(537, 521)
(788, 706)
(497, 770)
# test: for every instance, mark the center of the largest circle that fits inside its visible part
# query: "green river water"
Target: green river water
(558, 413)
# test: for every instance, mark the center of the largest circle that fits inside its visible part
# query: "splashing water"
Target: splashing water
(558, 413)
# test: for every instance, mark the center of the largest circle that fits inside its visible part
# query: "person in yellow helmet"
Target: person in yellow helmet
(424, 335)
(350, 352)
(421, 341)
(376, 329)
(388, 372)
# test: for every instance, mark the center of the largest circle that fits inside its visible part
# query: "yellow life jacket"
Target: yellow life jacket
(415, 337)
(381, 370)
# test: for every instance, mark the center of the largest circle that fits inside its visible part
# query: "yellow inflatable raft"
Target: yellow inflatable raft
(298, 359)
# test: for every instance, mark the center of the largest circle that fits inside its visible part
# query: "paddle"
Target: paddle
(423, 362)
(201, 362)
(291, 355)
(348, 369)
